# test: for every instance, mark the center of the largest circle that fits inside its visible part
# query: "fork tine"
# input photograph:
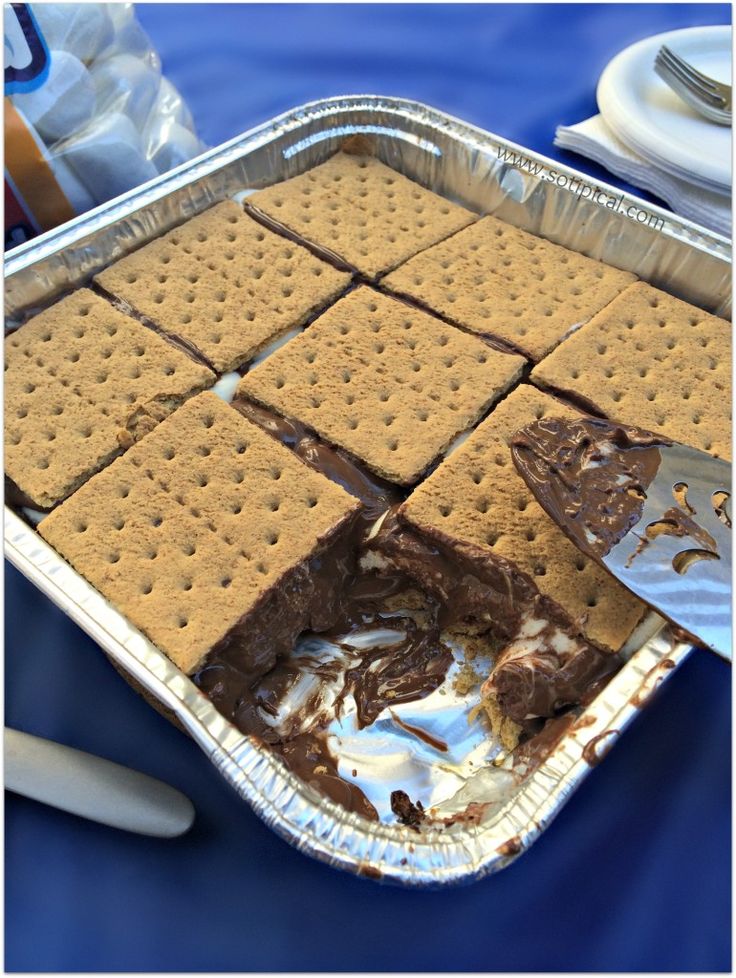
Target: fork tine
(687, 75)
(705, 95)
(686, 93)
(688, 68)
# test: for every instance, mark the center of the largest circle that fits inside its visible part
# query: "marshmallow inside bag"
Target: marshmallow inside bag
(124, 83)
(171, 105)
(130, 38)
(107, 157)
(178, 146)
(82, 29)
(74, 190)
(64, 103)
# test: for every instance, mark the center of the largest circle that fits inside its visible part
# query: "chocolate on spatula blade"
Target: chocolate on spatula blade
(655, 514)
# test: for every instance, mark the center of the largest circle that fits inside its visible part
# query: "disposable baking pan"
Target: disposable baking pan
(490, 175)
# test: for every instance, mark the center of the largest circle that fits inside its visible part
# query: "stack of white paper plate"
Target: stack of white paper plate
(653, 121)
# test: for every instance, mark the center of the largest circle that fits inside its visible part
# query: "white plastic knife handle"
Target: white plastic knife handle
(94, 788)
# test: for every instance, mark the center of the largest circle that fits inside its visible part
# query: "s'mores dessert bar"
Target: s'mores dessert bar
(478, 497)
(224, 284)
(209, 536)
(388, 383)
(654, 362)
(499, 281)
(82, 382)
(363, 213)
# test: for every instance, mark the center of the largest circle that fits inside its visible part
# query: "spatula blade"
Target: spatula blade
(688, 580)
(655, 514)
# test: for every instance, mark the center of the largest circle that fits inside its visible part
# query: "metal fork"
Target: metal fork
(712, 99)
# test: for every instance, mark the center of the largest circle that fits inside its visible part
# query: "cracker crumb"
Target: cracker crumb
(507, 730)
(466, 679)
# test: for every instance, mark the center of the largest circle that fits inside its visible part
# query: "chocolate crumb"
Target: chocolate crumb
(406, 811)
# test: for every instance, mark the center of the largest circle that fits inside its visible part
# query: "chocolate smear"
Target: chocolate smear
(309, 757)
(409, 670)
(590, 476)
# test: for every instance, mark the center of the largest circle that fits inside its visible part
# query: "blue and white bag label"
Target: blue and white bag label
(26, 55)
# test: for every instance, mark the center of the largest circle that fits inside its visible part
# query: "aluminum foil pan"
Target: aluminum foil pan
(512, 805)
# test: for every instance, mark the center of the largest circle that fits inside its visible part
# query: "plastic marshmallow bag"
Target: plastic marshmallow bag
(88, 114)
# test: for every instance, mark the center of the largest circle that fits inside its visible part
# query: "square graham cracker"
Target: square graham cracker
(190, 530)
(82, 382)
(476, 496)
(653, 361)
(390, 384)
(499, 281)
(224, 283)
(368, 214)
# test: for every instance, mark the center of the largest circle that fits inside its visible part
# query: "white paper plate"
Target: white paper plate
(650, 118)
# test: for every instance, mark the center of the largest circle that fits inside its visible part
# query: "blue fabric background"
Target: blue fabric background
(635, 873)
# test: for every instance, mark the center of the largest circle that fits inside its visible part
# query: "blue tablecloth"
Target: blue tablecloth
(634, 874)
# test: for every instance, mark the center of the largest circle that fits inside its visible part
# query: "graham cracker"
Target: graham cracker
(476, 496)
(370, 215)
(500, 281)
(192, 527)
(82, 382)
(390, 384)
(224, 283)
(653, 361)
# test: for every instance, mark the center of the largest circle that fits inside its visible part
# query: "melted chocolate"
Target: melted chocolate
(309, 757)
(512, 846)
(535, 749)
(675, 522)
(406, 670)
(311, 597)
(469, 586)
(555, 670)
(593, 753)
(463, 584)
(409, 670)
(590, 476)
(435, 742)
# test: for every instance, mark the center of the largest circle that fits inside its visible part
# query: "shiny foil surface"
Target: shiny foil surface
(512, 804)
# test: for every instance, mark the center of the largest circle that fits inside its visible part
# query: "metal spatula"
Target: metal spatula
(655, 514)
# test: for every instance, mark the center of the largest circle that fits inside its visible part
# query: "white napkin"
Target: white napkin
(593, 138)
